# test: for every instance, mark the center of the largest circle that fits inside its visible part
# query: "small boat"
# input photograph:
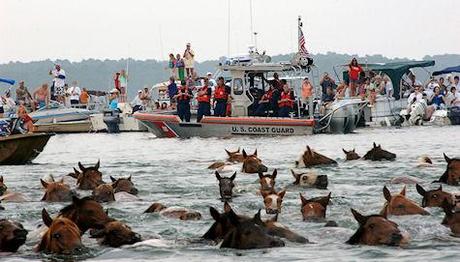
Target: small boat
(56, 113)
(82, 126)
(21, 149)
(118, 122)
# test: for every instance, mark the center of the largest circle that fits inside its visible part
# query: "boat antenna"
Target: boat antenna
(251, 23)
(228, 28)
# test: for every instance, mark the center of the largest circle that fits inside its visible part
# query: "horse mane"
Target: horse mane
(70, 207)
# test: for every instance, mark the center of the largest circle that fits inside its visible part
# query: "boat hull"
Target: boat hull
(171, 126)
(22, 149)
(65, 127)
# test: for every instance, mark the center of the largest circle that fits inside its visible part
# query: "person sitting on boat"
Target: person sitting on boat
(452, 98)
(183, 97)
(172, 91)
(264, 104)
(137, 102)
(25, 118)
(220, 98)
(387, 87)
(286, 102)
(414, 97)
(204, 100)
(327, 100)
(41, 96)
(325, 82)
(22, 94)
(113, 99)
(146, 97)
(84, 97)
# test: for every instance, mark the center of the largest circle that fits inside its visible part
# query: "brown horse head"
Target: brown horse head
(62, 236)
(235, 156)
(310, 179)
(451, 217)
(124, 185)
(248, 234)
(314, 209)
(275, 228)
(104, 193)
(155, 207)
(351, 155)
(226, 185)
(3, 187)
(434, 198)
(399, 204)
(452, 174)
(378, 154)
(57, 191)
(89, 177)
(312, 158)
(267, 182)
(86, 213)
(376, 230)
(116, 234)
(221, 225)
(12, 235)
(273, 201)
(252, 164)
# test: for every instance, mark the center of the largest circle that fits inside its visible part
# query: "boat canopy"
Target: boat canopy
(261, 67)
(7, 80)
(394, 70)
(448, 70)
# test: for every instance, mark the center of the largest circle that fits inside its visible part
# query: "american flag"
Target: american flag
(302, 50)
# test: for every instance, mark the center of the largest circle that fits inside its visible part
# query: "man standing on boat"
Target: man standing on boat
(220, 98)
(286, 103)
(58, 82)
(204, 100)
(183, 97)
(74, 92)
(189, 60)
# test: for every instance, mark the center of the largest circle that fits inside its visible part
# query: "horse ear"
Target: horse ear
(354, 150)
(227, 207)
(218, 176)
(233, 176)
(46, 218)
(214, 214)
(76, 200)
(44, 183)
(303, 199)
(282, 193)
(386, 193)
(244, 154)
(296, 176)
(375, 145)
(228, 152)
(275, 173)
(345, 151)
(257, 218)
(233, 217)
(255, 153)
(420, 189)
(129, 178)
(113, 179)
(403, 191)
(360, 218)
(52, 178)
(440, 187)
(309, 150)
(238, 150)
(82, 168)
(261, 175)
(325, 200)
(61, 180)
(97, 164)
(446, 158)
(1, 179)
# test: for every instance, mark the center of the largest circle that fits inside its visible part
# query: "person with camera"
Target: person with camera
(183, 97)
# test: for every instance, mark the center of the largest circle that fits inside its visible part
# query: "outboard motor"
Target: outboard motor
(454, 115)
(112, 120)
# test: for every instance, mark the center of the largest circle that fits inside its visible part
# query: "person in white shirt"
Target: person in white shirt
(137, 101)
(429, 90)
(58, 83)
(388, 86)
(414, 97)
(456, 83)
(189, 59)
(74, 92)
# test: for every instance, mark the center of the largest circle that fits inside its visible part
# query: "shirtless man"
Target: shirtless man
(41, 96)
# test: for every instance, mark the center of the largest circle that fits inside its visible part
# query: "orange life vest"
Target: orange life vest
(183, 95)
(220, 93)
(204, 98)
(268, 95)
(289, 103)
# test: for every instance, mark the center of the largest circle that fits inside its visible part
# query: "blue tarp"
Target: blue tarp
(448, 70)
(8, 81)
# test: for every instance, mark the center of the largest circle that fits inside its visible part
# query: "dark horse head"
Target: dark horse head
(378, 154)
(376, 230)
(116, 234)
(226, 185)
(451, 218)
(89, 177)
(312, 158)
(3, 187)
(351, 155)
(12, 235)
(124, 184)
(452, 174)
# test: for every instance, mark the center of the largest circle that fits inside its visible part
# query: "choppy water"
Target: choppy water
(173, 172)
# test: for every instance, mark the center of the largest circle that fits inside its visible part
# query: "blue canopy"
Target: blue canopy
(8, 81)
(448, 70)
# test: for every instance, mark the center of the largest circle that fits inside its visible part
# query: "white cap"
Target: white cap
(114, 91)
(208, 73)
(139, 91)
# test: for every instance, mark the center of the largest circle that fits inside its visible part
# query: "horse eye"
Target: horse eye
(400, 206)
(435, 196)
(304, 178)
(115, 232)
(56, 235)
(371, 226)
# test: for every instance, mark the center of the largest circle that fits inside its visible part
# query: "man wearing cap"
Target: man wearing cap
(189, 60)
(212, 82)
(113, 99)
(183, 97)
(137, 102)
(22, 94)
(74, 92)
(58, 82)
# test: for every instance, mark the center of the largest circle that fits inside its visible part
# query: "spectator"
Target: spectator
(113, 99)
(437, 99)
(429, 90)
(41, 96)
(327, 100)
(307, 93)
(123, 78)
(172, 65)
(325, 82)
(25, 118)
(183, 97)
(212, 81)
(22, 94)
(220, 98)
(286, 102)
(388, 85)
(146, 97)
(452, 99)
(442, 85)
(84, 97)
(180, 67)
(172, 91)
(456, 83)
(204, 100)
(354, 71)
(58, 83)
(189, 59)
(74, 92)
(137, 102)
(116, 81)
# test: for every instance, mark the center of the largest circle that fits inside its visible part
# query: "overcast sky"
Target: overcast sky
(146, 29)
